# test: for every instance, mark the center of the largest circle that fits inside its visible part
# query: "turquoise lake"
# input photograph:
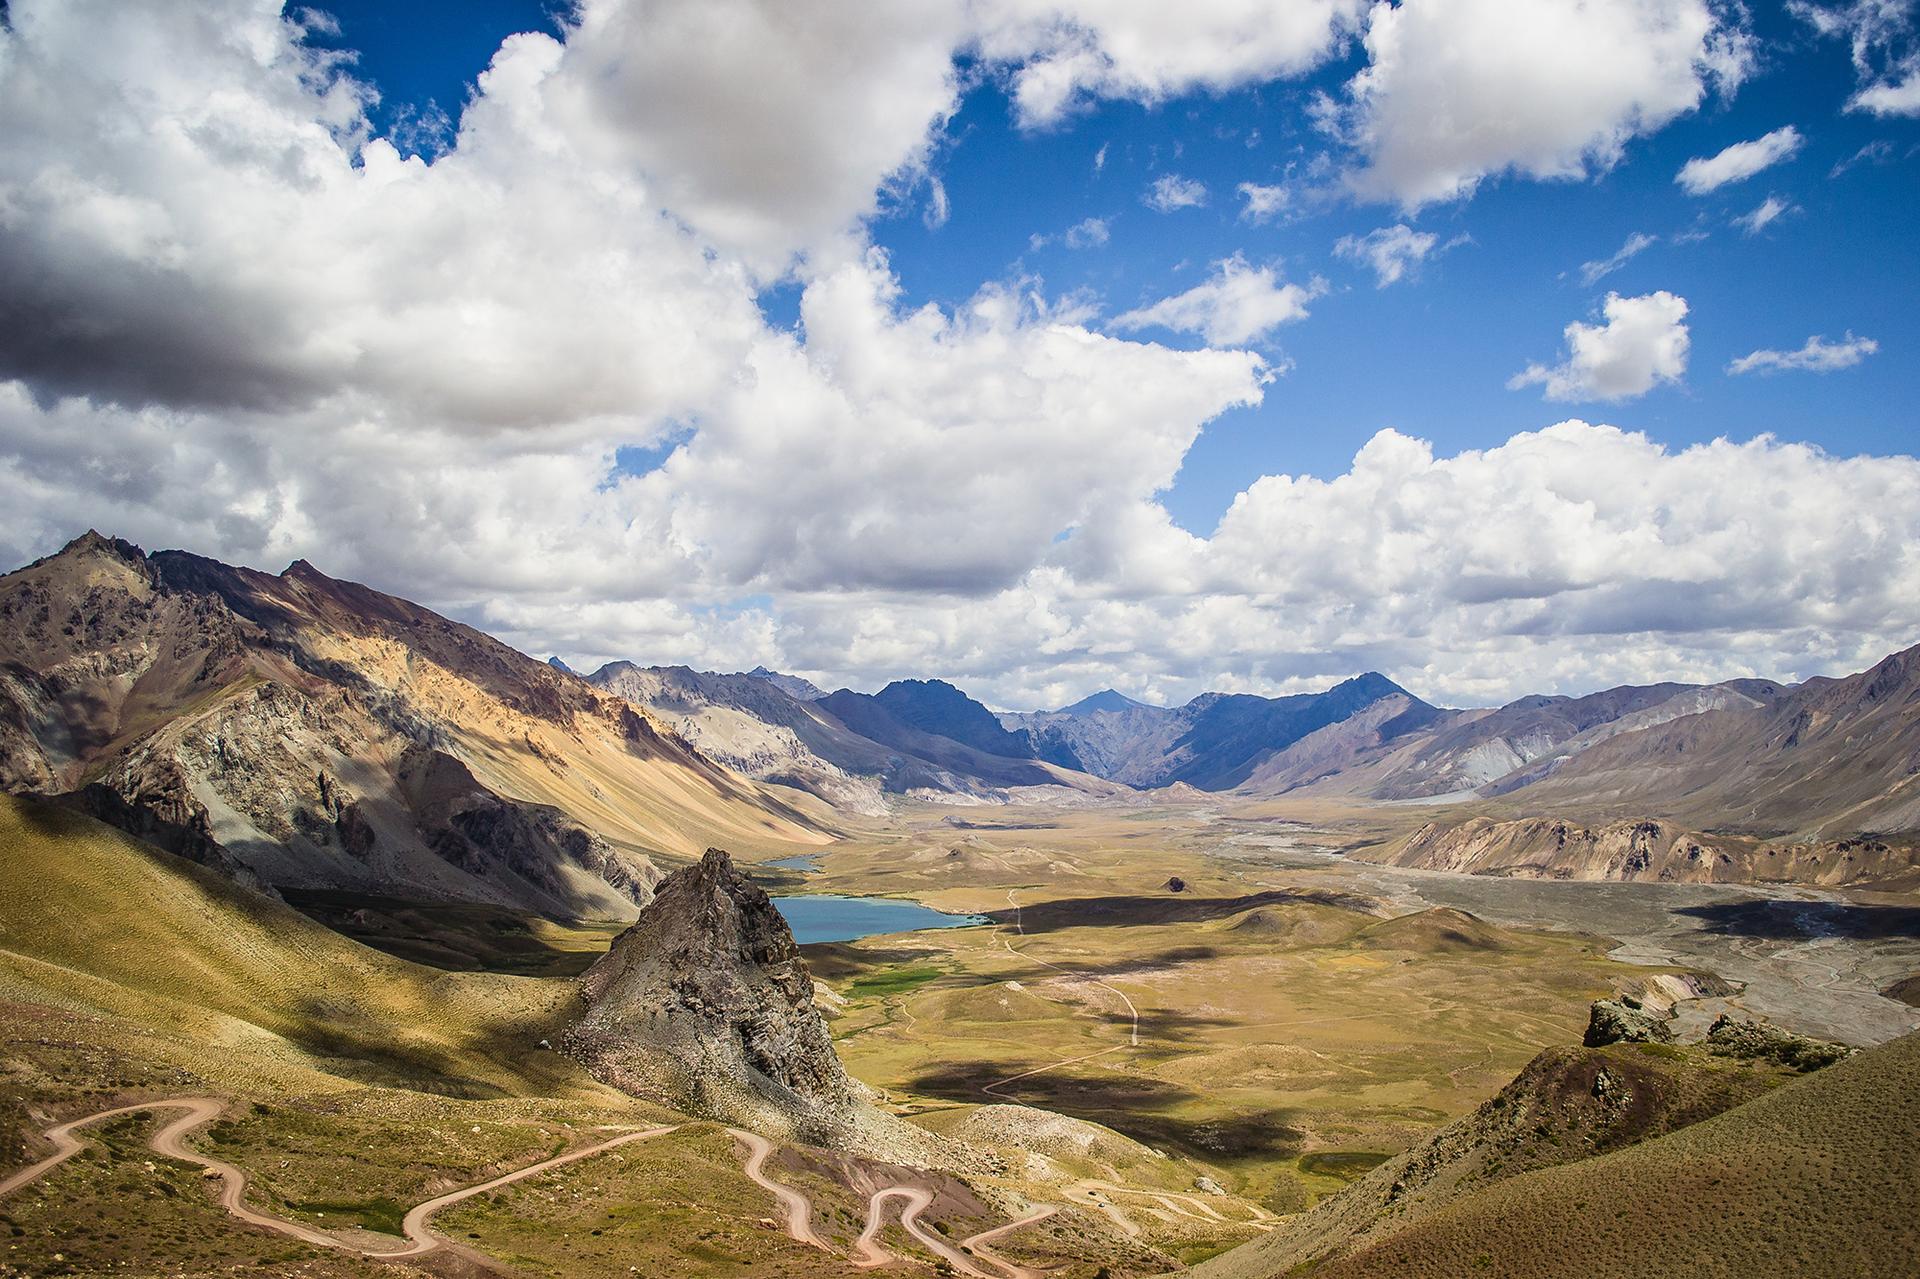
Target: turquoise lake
(824, 917)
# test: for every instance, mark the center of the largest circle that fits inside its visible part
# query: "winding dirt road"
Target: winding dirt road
(169, 1141)
(799, 1209)
(977, 1244)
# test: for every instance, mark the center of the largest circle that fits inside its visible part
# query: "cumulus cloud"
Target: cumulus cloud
(1238, 303)
(1642, 343)
(1740, 161)
(1817, 356)
(1171, 191)
(1886, 54)
(1591, 273)
(1456, 91)
(231, 312)
(1763, 215)
(1064, 53)
(1389, 250)
(234, 318)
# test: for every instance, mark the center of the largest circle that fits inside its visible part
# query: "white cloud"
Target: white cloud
(1089, 233)
(1264, 202)
(1740, 161)
(1763, 215)
(1066, 52)
(1643, 343)
(939, 209)
(230, 313)
(1390, 250)
(1171, 191)
(234, 320)
(1593, 272)
(1456, 91)
(1817, 356)
(1886, 54)
(1237, 304)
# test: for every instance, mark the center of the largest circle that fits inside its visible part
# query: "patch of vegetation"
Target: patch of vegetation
(1347, 1165)
(890, 981)
(382, 1215)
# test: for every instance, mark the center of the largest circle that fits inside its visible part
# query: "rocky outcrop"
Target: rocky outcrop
(1763, 1041)
(1625, 1021)
(705, 1004)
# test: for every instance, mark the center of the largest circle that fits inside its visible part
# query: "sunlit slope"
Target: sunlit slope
(1820, 1177)
(317, 733)
(91, 919)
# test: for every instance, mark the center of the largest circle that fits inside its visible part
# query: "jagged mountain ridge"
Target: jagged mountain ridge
(321, 734)
(846, 748)
(1217, 741)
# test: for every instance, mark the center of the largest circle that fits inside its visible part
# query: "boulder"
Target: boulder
(1624, 1021)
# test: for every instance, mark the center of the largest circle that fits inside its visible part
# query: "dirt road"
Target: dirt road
(798, 1208)
(169, 1141)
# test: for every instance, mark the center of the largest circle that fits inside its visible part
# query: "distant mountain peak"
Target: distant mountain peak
(1107, 699)
(94, 542)
(935, 706)
(561, 666)
(792, 685)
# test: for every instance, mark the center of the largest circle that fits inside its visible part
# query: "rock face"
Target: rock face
(1759, 1040)
(706, 1005)
(306, 732)
(1624, 1021)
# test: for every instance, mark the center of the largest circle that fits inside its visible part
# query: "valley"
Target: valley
(339, 939)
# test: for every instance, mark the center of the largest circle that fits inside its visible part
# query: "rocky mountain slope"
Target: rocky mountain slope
(1637, 1160)
(1643, 849)
(706, 1005)
(321, 734)
(1526, 739)
(1830, 758)
(850, 749)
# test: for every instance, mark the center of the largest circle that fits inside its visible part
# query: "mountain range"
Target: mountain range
(1747, 756)
(302, 731)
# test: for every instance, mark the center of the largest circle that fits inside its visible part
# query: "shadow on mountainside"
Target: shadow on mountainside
(1795, 921)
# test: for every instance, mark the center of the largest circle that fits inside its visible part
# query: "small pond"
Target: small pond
(825, 917)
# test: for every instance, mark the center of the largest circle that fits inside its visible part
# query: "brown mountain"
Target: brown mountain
(1830, 758)
(317, 733)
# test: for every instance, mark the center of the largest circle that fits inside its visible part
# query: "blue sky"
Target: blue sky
(1429, 355)
(848, 338)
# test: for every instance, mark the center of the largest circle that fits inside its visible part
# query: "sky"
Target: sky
(1039, 345)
